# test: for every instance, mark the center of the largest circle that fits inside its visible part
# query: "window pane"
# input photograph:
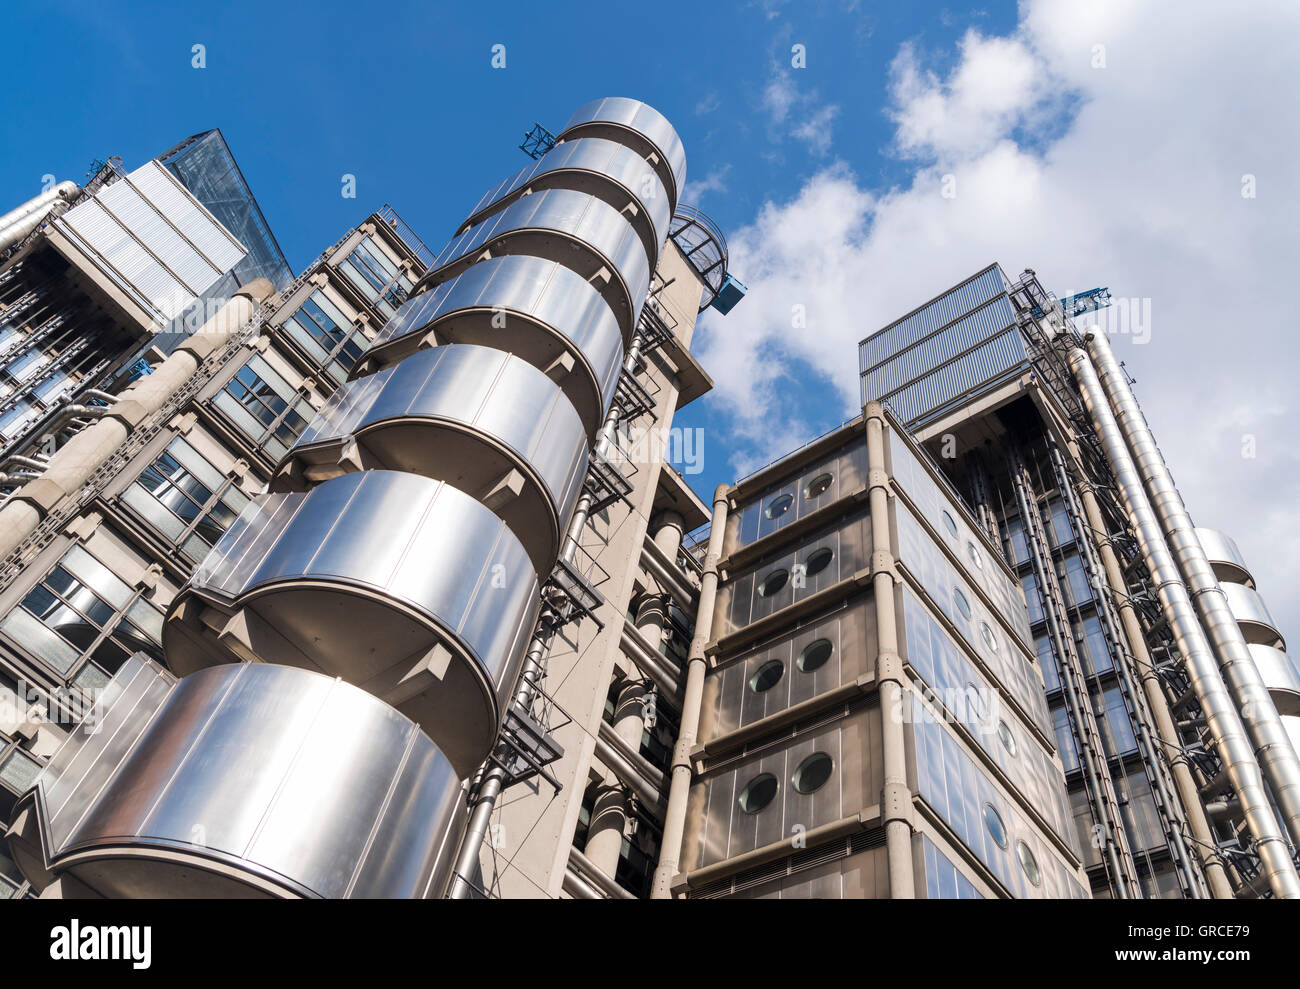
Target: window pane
(39, 640)
(19, 771)
(97, 576)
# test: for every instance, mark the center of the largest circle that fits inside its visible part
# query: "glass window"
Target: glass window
(813, 773)
(375, 276)
(81, 610)
(327, 336)
(772, 583)
(758, 793)
(1028, 863)
(817, 486)
(818, 560)
(815, 655)
(1005, 736)
(186, 499)
(976, 557)
(993, 821)
(265, 407)
(19, 771)
(987, 635)
(778, 506)
(767, 676)
(950, 523)
(963, 605)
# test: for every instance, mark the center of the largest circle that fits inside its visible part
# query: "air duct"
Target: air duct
(1222, 719)
(1264, 726)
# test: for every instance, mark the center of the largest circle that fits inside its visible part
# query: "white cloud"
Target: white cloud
(715, 181)
(797, 113)
(1138, 187)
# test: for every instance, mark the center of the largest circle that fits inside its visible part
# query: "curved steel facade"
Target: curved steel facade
(302, 806)
(642, 128)
(538, 310)
(364, 575)
(403, 550)
(612, 172)
(583, 232)
(466, 415)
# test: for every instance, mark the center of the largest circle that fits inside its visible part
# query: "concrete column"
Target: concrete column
(77, 460)
(612, 810)
(668, 530)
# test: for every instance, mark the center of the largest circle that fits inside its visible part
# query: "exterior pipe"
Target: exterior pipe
(1151, 751)
(589, 873)
(492, 779)
(1224, 722)
(64, 190)
(896, 797)
(1277, 757)
(16, 231)
(1097, 779)
(73, 464)
(670, 845)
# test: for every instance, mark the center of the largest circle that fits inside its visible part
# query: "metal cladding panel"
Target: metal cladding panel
(962, 378)
(800, 571)
(950, 675)
(841, 472)
(727, 827)
(942, 879)
(158, 239)
(419, 543)
(1005, 657)
(961, 792)
(646, 121)
(953, 304)
(542, 290)
(983, 324)
(575, 214)
(596, 155)
(1280, 675)
(484, 390)
(280, 774)
(937, 507)
(822, 654)
(1220, 548)
(1249, 609)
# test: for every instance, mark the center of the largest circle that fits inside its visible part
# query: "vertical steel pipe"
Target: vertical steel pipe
(1222, 719)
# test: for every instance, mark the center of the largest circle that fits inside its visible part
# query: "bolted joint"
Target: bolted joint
(896, 802)
(882, 561)
(889, 667)
(877, 477)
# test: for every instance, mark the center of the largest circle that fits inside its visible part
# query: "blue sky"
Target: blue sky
(403, 96)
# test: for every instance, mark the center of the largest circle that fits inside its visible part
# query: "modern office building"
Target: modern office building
(379, 584)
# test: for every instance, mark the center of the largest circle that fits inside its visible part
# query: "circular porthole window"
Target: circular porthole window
(974, 555)
(758, 793)
(772, 583)
(962, 604)
(818, 560)
(778, 506)
(950, 523)
(993, 821)
(1028, 863)
(813, 772)
(817, 486)
(815, 655)
(986, 634)
(1007, 739)
(767, 676)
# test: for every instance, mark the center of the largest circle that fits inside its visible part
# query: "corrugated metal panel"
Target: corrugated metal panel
(985, 323)
(215, 242)
(149, 248)
(954, 304)
(963, 377)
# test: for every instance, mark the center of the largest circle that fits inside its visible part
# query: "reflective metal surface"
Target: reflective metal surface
(575, 228)
(466, 415)
(404, 586)
(1224, 556)
(248, 780)
(1279, 673)
(639, 126)
(1250, 612)
(609, 171)
(538, 310)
